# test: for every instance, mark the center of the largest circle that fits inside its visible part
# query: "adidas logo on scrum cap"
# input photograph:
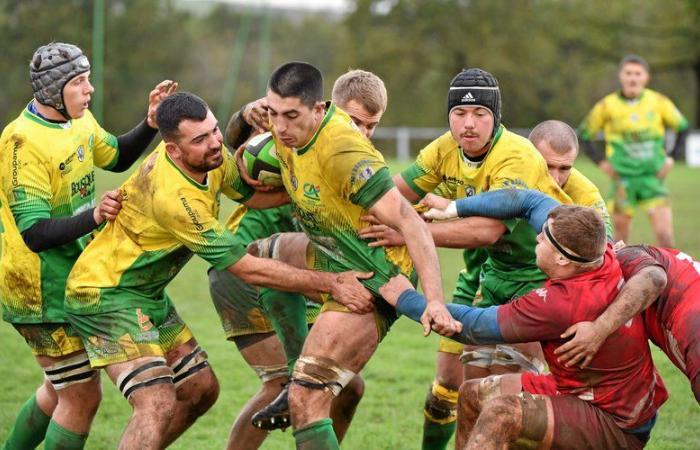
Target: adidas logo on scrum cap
(468, 97)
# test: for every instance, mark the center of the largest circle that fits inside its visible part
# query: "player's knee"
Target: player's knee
(469, 394)
(354, 390)
(504, 410)
(85, 397)
(156, 403)
(207, 393)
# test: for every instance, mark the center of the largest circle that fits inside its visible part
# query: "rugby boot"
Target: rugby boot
(276, 414)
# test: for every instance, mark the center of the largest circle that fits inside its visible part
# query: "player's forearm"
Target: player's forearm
(471, 232)
(50, 233)
(421, 248)
(237, 130)
(283, 277)
(595, 152)
(264, 200)
(681, 137)
(132, 144)
(637, 294)
(479, 325)
(508, 204)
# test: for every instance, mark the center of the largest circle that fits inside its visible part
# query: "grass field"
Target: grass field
(390, 416)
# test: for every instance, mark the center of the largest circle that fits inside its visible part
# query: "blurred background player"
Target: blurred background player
(634, 121)
(268, 326)
(48, 155)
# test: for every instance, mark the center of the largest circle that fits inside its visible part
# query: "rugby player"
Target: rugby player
(634, 121)
(476, 155)
(118, 304)
(610, 405)
(319, 146)
(48, 155)
(671, 311)
(268, 326)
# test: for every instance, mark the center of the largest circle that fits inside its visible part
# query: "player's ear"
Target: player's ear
(562, 261)
(173, 150)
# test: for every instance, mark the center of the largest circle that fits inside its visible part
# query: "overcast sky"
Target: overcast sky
(337, 5)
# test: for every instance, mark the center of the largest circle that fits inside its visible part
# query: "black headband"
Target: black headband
(560, 248)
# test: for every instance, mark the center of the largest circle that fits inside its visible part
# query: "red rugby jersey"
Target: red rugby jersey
(621, 379)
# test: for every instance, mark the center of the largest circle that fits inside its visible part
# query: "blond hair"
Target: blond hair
(364, 87)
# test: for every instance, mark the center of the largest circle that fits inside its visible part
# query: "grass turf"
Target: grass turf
(397, 378)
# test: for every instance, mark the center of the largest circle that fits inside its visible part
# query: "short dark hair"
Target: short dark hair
(300, 80)
(634, 59)
(176, 108)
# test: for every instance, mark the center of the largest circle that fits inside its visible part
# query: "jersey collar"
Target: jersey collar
(329, 113)
(200, 186)
(494, 141)
(41, 121)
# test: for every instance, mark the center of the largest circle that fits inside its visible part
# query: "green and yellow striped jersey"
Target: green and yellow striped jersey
(166, 217)
(332, 182)
(634, 130)
(511, 162)
(48, 172)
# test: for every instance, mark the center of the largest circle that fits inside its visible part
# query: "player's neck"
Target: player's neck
(318, 119)
(48, 112)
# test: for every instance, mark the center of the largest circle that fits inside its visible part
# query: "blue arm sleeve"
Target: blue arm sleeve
(479, 325)
(508, 204)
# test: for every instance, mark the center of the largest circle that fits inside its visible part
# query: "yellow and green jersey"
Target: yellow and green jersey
(511, 162)
(166, 216)
(333, 181)
(48, 172)
(251, 224)
(634, 130)
(584, 193)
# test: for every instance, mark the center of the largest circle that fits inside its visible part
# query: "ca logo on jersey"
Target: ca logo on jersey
(312, 192)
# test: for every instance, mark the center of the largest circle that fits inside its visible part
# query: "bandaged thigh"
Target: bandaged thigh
(441, 404)
(153, 370)
(67, 372)
(501, 355)
(318, 372)
(189, 365)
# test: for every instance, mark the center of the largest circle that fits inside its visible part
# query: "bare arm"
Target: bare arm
(470, 232)
(404, 189)
(344, 286)
(639, 292)
(271, 199)
(394, 210)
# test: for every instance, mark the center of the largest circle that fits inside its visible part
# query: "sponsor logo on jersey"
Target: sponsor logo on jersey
(362, 171)
(81, 153)
(65, 166)
(468, 97)
(194, 217)
(542, 292)
(144, 321)
(312, 192)
(84, 186)
(469, 191)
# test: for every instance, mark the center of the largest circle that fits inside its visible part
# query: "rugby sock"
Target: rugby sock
(437, 431)
(317, 435)
(436, 435)
(287, 313)
(30, 427)
(58, 438)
